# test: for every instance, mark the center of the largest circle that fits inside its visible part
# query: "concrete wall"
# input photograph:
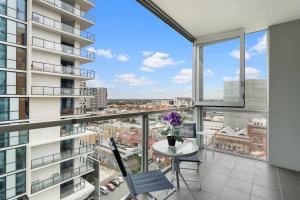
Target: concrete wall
(284, 94)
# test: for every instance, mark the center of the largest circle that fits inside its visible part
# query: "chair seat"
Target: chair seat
(149, 182)
(193, 158)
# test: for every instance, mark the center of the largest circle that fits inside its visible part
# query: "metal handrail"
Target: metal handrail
(82, 119)
(74, 131)
(53, 158)
(49, 90)
(65, 175)
(73, 111)
(19, 90)
(71, 9)
(61, 26)
(47, 44)
(18, 38)
(59, 69)
(18, 14)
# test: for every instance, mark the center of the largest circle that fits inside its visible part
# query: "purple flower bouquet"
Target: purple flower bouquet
(174, 121)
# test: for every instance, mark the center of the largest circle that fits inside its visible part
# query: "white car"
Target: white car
(120, 179)
(103, 190)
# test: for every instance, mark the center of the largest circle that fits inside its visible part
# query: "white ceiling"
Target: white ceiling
(204, 17)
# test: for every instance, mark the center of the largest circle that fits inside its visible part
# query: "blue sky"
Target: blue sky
(139, 56)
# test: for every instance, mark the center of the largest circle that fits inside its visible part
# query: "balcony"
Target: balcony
(64, 176)
(64, 132)
(64, 71)
(60, 92)
(72, 111)
(58, 157)
(83, 55)
(80, 189)
(66, 9)
(85, 38)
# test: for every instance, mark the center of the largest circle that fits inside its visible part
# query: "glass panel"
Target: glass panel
(11, 82)
(221, 72)
(10, 186)
(2, 56)
(2, 184)
(11, 57)
(21, 83)
(4, 109)
(14, 109)
(2, 160)
(4, 141)
(10, 160)
(2, 29)
(23, 136)
(2, 82)
(11, 31)
(21, 34)
(21, 183)
(23, 108)
(22, 9)
(13, 138)
(21, 59)
(3, 7)
(21, 158)
(12, 8)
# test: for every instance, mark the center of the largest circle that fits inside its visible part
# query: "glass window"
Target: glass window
(2, 29)
(14, 108)
(21, 183)
(11, 57)
(4, 109)
(21, 83)
(21, 34)
(22, 9)
(3, 7)
(21, 158)
(11, 82)
(2, 56)
(23, 108)
(4, 142)
(21, 59)
(11, 31)
(2, 162)
(2, 82)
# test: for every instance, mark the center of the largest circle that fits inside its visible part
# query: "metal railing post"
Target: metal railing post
(145, 143)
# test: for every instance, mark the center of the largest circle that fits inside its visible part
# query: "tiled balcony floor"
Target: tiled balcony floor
(228, 177)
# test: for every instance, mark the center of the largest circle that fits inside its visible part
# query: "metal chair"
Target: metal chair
(189, 132)
(142, 183)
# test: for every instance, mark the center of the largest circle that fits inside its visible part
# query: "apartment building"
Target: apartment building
(97, 102)
(42, 47)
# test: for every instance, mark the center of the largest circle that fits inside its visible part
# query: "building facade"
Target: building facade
(41, 50)
(97, 102)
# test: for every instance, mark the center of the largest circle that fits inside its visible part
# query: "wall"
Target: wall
(284, 126)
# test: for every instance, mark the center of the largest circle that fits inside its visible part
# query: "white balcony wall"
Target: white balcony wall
(49, 194)
(48, 37)
(45, 80)
(45, 173)
(45, 150)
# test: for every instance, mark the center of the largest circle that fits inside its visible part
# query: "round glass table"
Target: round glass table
(188, 148)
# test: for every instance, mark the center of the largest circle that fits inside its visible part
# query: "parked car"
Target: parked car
(103, 190)
(110, 186)
(115, 182)
(120, 179)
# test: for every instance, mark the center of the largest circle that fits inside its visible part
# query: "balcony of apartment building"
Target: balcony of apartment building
(76, 130)
(55, 158)
(64, 49)
(69, 30)
(63, 71)
(77, 189)
(61, 92)
(71, 11)
(62, 177)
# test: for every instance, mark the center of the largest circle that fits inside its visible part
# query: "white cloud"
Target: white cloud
(123, 58)
(133, 80)
(106, 53)
(146, 69)
(228, 78)
(251, 73)
(158, 60)
(147, 53)
(184, 76)
(208, 72)
(236, 54)
(261, 45)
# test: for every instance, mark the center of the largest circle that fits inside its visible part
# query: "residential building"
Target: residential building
(97, 102)
(41, 51)
(183, 101)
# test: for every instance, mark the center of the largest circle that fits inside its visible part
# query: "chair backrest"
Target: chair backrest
(188, 130)
(117, 155)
